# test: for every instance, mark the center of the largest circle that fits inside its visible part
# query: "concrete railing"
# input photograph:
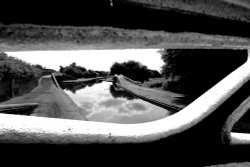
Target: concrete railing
(29, 129)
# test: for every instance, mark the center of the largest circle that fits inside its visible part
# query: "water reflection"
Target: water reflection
(118, 93)
(73, 87)
(103, 103)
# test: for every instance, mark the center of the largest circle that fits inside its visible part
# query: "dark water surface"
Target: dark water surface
(103, 103)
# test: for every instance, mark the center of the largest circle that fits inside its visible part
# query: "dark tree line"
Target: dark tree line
(13, 70)
(134, 70)
(11, 67)
(193, 71)
(76, 71)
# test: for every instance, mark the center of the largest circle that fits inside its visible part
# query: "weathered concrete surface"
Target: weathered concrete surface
(133, 29)
(240, 3)
(233, 119)
(33, 37)
(230, 9)
(53, 102)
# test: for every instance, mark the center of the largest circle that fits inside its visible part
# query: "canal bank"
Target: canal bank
(53, 102)
(168, 100)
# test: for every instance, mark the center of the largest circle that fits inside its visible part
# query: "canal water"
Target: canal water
(103, 103)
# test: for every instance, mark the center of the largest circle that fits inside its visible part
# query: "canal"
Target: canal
(102, 102)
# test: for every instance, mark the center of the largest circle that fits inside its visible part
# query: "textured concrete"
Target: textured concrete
(82, 38)
(230, 9)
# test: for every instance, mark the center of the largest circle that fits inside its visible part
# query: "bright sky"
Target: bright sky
(91, 59)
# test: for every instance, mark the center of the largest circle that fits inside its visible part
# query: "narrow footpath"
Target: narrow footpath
(52, 101)
(168, 100)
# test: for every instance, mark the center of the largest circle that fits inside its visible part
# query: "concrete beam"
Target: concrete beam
(33, 37)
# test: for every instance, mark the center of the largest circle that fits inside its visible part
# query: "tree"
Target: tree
(76, 71)
(154, 74)
(12, 68)
(193, 71)
(134, 70)
(90, 74)
(117, 68)
(102, 73)
(73, 70)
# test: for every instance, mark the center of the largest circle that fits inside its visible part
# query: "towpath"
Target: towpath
(162, 98)
(53, 102)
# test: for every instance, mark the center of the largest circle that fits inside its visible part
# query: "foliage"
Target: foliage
(134, 70)
(13, 68)
(192, 71)
(73, 70)
(154, 82)
(41, 71)
(76, 71)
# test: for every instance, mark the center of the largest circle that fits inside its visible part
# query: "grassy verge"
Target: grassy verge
(154, 83)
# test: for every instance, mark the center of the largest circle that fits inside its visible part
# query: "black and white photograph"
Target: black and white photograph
(165, 82)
